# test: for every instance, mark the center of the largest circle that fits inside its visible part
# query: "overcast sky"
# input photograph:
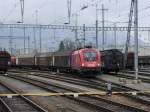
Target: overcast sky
(55, 11)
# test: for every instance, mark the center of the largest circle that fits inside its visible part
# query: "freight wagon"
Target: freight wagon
(112, 60)
(43, 60)
(26, 61)
(4, 61)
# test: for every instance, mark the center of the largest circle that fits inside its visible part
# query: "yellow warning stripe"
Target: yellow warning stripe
(73, 94)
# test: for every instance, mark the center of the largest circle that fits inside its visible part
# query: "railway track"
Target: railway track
(17, 103)
(98, 84)
(97, 102)
(92, 83)
(144, 68)
(130, 75)
(141, 72)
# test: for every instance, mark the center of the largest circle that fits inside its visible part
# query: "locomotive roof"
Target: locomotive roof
(111, 50)
(116, 51)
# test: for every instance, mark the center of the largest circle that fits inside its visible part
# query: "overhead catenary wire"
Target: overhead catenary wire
(10, 12)
(37, 10)
(125, 13)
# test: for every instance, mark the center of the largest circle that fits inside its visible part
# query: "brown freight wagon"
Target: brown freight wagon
(44, 60)
(26, 60)
(62, 59)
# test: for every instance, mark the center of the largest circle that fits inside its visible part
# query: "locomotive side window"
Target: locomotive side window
(90, 56)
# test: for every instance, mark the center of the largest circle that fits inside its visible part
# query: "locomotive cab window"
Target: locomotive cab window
(90, 56)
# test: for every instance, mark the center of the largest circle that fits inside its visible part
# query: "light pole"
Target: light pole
(22, 10)
(136, 38)
(28, 44)
(10, 41)
(84, 34)
(24, 33)
(34, 35)
(36, 17)
(115, 35)
(103, 26)
(76, 24)
(96, 27)
(40, 36)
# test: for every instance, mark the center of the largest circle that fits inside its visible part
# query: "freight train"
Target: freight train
(82, 61)
(85, 61)
(108, 60)
(4, 61)
(112, 60)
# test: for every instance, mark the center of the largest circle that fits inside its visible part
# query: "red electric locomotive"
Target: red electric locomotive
(86, 61)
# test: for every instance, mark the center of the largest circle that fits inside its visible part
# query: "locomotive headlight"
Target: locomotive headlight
(82, 64)
(9, 63)
(118, 64)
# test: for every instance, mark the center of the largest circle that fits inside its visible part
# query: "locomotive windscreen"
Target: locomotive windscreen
(90, 56)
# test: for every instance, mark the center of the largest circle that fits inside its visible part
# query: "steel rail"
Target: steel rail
(96, 84)
(83, 98)
(26, 101)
